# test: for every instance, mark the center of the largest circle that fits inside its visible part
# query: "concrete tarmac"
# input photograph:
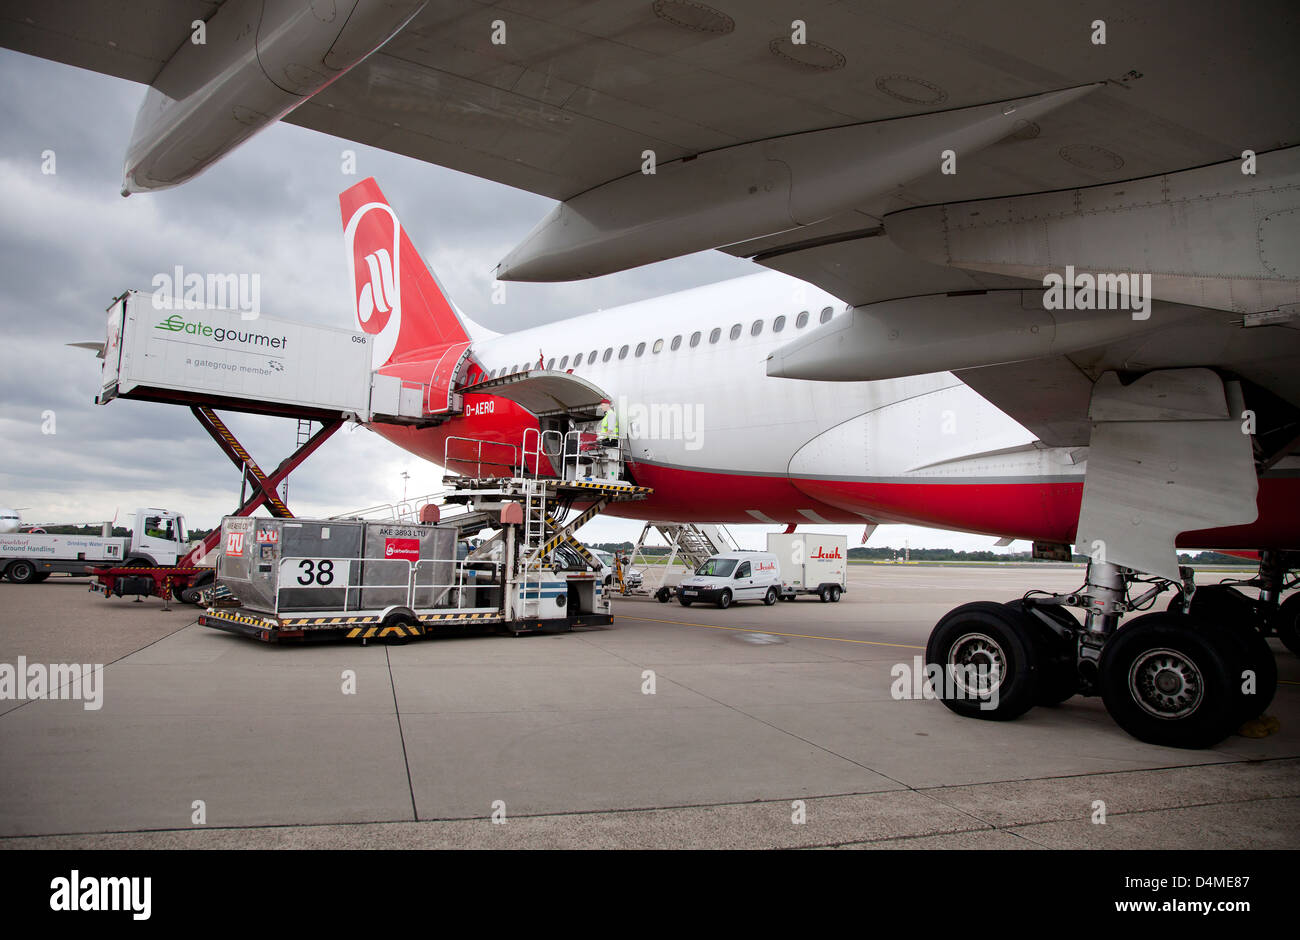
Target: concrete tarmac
(767, 727)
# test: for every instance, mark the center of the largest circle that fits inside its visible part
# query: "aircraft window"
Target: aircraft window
(640, 348)
(550, 364)
(658, 347)
(608, 352)
(827, 313)
(735, 331)
(802, 320)
(622, 353)
(676, 343)
(591, 360)
(695, 339)
(778, 324)
(564, 363)
(717, 332)
(756, 328)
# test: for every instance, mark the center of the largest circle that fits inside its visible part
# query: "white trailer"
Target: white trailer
(157, 539)
(811, 563)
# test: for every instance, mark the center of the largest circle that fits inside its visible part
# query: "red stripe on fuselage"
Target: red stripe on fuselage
(1047, 511)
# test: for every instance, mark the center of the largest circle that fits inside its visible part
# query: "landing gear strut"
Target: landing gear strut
(1175, 678)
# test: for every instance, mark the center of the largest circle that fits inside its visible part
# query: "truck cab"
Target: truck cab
(733, 576)
(157, 537)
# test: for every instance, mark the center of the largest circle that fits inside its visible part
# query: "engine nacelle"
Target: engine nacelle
(258, 60)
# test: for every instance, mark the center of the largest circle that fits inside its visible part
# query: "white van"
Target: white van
(733, 576)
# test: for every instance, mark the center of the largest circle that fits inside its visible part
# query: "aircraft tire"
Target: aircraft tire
(1168, 685)
(985, 635)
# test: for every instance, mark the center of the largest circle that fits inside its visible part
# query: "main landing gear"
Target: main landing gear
(1183, 677)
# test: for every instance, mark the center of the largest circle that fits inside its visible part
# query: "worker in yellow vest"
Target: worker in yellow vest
(609, 429)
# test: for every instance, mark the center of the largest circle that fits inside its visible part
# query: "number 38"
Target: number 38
(321, 573)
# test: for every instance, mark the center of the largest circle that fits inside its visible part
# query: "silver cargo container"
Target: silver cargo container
(288, 565)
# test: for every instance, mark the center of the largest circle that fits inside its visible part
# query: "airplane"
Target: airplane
(1071, 233)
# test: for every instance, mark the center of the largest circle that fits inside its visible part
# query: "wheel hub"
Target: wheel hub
(976, 665)
(1166, 683)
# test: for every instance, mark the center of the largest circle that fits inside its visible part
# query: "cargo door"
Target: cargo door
(113, 332)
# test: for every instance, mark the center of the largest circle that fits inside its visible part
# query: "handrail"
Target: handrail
(409, 585)
(478, 461)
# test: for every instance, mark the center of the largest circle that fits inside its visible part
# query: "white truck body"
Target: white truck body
(158, 538)
(810, 562)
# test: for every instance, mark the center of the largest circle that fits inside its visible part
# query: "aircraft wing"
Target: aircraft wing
(828, 115)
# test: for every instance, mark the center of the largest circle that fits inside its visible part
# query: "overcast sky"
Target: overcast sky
(71, 244)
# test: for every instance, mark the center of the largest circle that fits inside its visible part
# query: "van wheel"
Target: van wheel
(21, 572)
(770, 598)
(825, 595)
(684, 602)
(724, 599)
(835, 595)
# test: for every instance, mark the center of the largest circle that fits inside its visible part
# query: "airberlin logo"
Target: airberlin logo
(822, 553)
(402, 548)
(373, 238)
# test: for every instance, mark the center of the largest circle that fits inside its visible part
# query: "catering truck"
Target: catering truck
(811, 564)
(157, 539)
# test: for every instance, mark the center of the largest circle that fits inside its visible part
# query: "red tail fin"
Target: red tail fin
(396, 298)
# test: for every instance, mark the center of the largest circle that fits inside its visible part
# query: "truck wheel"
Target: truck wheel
(724, 599)
(21, 572)
(770, 597)
(835, 595)
(663, 595)
(825, 595)
(194, 593)
(398, 620)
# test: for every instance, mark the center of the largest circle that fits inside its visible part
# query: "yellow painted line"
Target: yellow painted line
(799, 636)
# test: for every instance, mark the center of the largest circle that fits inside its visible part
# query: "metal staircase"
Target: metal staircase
(689, 544)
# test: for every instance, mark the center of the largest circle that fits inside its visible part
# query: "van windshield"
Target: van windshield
(716, 567)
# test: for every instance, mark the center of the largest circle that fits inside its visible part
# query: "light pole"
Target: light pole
(405, 476)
